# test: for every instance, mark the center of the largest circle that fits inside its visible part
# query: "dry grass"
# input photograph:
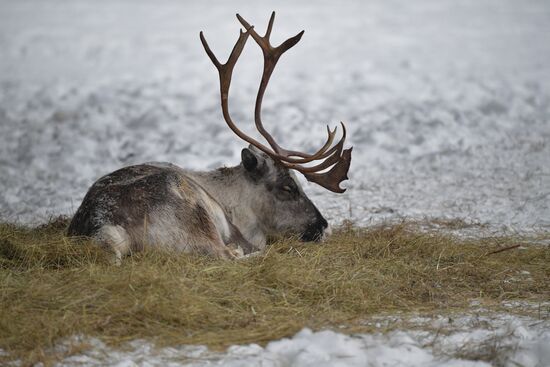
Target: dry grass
(52, 287)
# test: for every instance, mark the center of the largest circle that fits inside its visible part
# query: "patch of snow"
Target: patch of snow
(438, 341)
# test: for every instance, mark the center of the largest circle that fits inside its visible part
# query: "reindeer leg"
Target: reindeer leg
(115, 239)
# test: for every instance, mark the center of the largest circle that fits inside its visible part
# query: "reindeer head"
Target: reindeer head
(277, 199)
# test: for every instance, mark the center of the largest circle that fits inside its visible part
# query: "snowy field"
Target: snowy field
(447, 104)
(516, 341)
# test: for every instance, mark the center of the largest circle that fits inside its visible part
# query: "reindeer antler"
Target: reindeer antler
(332, 156)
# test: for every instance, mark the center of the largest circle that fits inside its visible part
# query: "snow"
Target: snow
(435, 341)
(447, 106)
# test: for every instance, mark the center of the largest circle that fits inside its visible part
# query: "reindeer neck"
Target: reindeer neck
(234, 192)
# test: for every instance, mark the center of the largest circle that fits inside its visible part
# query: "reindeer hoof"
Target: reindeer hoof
(236, 251)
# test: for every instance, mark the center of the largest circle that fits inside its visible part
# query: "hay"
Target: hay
(52, 287)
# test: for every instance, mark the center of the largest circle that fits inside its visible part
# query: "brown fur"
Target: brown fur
(155, 205)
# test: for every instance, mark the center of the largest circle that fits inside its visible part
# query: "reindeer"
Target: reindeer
(226, 212)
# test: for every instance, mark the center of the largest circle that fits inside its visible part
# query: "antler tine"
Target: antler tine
(209, 51)
(335, 157)
(321, 153)
(269, 25)
(226, 70)
(330, 157)
(331, 179)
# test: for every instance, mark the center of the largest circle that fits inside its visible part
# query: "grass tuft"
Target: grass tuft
(52, 287)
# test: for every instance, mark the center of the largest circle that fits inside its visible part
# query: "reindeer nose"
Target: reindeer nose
(316, 230)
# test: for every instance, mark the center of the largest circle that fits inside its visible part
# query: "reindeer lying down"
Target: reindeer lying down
(225, 212)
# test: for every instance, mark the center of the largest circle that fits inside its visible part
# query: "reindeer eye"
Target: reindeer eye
(290, 187)
(288, 191)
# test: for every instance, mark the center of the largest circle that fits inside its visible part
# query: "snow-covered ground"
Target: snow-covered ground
(447, 104)
(457, 341)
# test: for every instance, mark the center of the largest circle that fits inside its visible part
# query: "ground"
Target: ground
(446, 104)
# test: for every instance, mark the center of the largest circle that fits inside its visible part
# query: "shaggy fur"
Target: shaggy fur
(218, 213)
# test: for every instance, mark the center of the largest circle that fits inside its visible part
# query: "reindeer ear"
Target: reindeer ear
(253, 162)
(250, 162)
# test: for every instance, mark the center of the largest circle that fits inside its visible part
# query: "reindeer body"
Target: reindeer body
(155, 204)
(216, 213)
